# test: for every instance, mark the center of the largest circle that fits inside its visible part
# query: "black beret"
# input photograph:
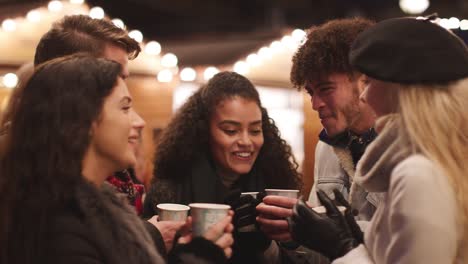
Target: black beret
(409, 50)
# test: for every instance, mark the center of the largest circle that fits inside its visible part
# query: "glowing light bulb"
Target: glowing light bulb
(55, 6)
(264, 53)
(96, 12)
(169, 60)
(9, 25)
(118, 23)
(33, 16)
(289, 42)
(253, 59)
(210, 72)
(453, 23)
(444, 22)
(188, 75)
(165, 76)
(153, 48)
(464, 24)
(276, 46)
(414, 6)
(10, 80)
(136, 35)
(298, 35)
(241, 67)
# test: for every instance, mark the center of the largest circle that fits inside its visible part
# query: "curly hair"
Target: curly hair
(49, 135)
(326, 50)
(187, 135)
(80, 33)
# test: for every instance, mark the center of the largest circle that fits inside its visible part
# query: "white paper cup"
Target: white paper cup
(322, 210)
(204, 215)
(283, 192)
(172, 212)
(254, 194)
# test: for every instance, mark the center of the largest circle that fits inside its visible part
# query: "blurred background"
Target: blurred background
(185, 42)
(182, 19)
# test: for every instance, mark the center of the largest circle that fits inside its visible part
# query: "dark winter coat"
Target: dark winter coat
(99, 226)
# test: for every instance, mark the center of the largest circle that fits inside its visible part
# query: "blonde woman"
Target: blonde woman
(418, 86)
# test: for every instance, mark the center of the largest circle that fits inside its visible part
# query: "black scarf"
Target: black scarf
(356, 144)
(202, 185)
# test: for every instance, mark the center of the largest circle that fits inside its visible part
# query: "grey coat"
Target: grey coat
(416, 221)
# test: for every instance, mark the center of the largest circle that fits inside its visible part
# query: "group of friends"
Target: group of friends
(391, 97)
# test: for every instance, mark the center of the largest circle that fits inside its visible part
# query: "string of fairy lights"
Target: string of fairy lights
(169, 61)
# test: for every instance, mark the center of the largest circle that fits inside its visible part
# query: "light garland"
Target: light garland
(151, 48)
(288, 43)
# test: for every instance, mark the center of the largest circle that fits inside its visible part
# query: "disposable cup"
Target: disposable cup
(322, 210)
(172, 212)
(204, 215)
(283, 192)
(254, 194)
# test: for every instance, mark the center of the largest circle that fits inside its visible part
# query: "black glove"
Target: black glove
(247, 236)
(328, 234)
(244, 209)
(349, 216)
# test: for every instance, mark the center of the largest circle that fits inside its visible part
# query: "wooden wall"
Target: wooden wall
(153, 102)
(312, 128)
(152, 99)
(4, 94)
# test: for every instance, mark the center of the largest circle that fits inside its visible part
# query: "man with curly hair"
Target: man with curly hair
(322, 68)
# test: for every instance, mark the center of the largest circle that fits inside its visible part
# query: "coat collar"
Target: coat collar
(383, 154)
(117, 231)
(350, 141)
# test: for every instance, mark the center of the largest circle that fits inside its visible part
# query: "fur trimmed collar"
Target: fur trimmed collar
(390, 148)
(117, 231)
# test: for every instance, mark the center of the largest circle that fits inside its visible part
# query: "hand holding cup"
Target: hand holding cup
(274, 210)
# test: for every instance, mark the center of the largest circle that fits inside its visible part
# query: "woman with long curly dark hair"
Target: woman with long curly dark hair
(220, 140)
(73, 126)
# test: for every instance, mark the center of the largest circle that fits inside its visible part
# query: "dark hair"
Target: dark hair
(326, 50)
(48, 137)
(80, 33)
(187, 135)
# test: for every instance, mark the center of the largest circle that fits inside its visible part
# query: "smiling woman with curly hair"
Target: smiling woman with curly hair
(220, 140)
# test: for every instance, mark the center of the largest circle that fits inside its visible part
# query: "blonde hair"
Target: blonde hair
(435, 119)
